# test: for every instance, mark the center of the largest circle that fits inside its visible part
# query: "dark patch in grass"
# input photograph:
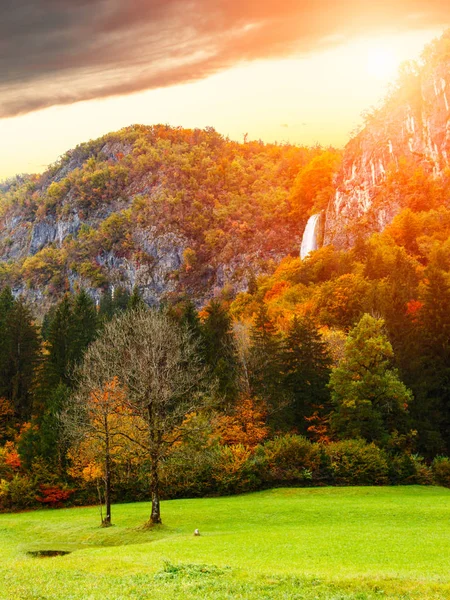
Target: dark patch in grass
(47, 553)
(189, 571)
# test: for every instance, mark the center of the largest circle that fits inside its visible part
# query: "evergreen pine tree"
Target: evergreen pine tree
(6, 306)
(84, 325)
(106, 308)
(433, 384)
(189, 318)
(369, 399)
(60, 345)
(136, 300)
(121, 300)
(265, 375)
(307, 368)
(220, 351)
(21, 358)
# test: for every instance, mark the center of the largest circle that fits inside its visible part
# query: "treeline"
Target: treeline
(285, 401)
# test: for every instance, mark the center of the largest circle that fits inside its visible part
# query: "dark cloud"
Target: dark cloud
(64, 51)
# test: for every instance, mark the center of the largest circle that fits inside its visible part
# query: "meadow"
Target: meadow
(358, 543)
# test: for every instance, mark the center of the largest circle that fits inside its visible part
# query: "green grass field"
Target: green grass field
(329, 543)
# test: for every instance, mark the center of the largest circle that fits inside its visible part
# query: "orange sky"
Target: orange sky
(303, 98)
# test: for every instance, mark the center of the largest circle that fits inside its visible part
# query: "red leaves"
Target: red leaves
(413, 308)
(53, 495)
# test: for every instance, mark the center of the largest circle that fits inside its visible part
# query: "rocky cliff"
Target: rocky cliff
(412, 127)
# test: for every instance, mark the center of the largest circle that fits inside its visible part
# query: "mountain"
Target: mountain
(409, 135)
(179, 212)
(172, 211)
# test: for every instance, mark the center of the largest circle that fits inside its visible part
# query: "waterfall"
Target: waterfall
(309, 240)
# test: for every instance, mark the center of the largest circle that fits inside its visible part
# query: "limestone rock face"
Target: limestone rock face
(51, 230)
(154, 276)
(414, 126)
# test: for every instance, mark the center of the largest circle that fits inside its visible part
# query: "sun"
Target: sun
(382, 62)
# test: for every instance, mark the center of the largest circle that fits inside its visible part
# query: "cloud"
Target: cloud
(64, 51)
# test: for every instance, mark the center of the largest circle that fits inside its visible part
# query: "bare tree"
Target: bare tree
(159, 368)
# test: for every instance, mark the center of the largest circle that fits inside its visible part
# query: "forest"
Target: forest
(331, 370)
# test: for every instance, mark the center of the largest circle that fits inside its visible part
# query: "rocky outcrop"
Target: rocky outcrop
(414, 125)
(155, 274)
(51, 231)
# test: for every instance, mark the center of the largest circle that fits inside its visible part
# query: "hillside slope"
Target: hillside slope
(169, 210)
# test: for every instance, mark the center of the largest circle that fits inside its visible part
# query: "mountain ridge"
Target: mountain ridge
(172, 211)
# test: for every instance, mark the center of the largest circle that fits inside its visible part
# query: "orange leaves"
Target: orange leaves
(11, 456)
(6, 409)
(276, 290)
(232, 459)
(246, 426)
(111, 397)
(413, 308)
(189, 259)
(111, 431)
(92, 472)
(6, 417)
(319, 426)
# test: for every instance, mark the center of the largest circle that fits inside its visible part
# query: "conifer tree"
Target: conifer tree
(433, 331)
(84, 325)
(6, 305)
(190, 319)
(121, 300)
(266, 360)
(307, 368)
(106, 308)
(136, 300)
(219, 349)
(19, 356)
(60, 345)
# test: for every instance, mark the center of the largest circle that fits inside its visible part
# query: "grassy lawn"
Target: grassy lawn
(329, 543)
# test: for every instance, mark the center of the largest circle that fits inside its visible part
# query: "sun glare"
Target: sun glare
(382, 62)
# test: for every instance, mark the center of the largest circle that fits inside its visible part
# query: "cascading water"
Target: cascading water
(309, 240)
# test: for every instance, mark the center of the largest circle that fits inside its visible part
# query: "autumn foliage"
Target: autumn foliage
(53, 496)
(246, 426)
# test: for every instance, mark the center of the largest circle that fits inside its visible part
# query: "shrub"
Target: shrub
(289, 458)
(17, 494)
(188, 471)
(424, 474)
(355, 462)
(53, 495)
(234, 471)
(9, 461)
(441, 470)
(402, 469)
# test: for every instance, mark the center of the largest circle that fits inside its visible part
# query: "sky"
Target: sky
(299, 71)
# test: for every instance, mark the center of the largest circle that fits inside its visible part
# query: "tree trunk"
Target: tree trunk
(107, 519)
(155, 517)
